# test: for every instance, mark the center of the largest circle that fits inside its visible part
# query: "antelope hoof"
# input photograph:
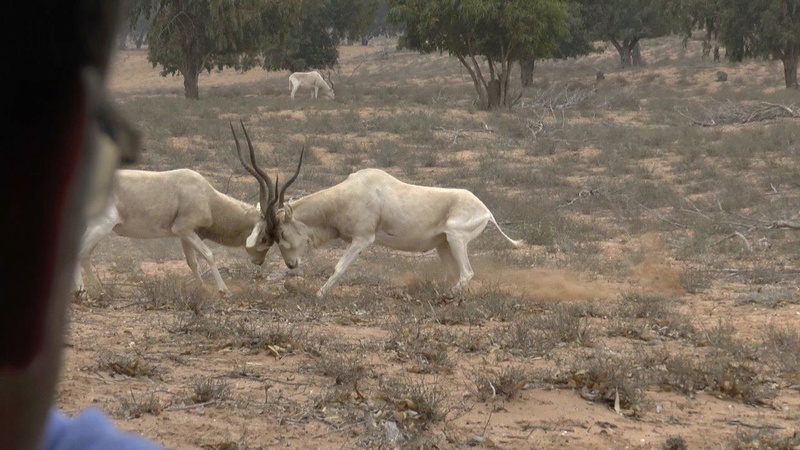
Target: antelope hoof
(296, 272)
(224, 293)
(80, 294)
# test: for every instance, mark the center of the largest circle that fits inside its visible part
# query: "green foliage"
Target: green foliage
(501, 31)
(690, 15)
(626, 22)
(314, 40)
(380, 24)
(762, 29)
(577, 41)
(188, 37)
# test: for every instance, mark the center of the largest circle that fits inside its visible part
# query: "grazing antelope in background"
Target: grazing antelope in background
(181, 203)
(371, 206)
(314, 81)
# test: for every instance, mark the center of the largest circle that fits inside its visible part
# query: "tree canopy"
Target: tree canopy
(762, 29)
(499, 32)
(576, 41)
(625, 22)
(187, 37)
(313, 42)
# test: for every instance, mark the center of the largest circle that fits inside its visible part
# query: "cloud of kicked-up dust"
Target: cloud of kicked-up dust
(651, 270)
(542, 283)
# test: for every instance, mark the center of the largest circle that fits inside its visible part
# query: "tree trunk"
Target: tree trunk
(190, 85)
(526, 66)
(790, 61)
(479, 88)
(636, 54)
(190, 69)
(629, 52)
(365, 41)
(191, 72)
(123, 41)
(623, 50)
(494, 95)
(140, 40)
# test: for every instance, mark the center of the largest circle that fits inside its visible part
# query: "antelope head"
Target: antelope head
(330, 94)
(261, 238)
(291, 235)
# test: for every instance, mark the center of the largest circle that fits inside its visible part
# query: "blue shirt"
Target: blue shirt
(92, 430)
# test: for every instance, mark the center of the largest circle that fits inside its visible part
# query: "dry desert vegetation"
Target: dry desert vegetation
(655, 307)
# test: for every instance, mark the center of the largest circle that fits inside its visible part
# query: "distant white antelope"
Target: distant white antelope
(181, 203)
(371, 206)
(312, 80)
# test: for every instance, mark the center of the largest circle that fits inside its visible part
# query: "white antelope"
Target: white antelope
(181, 203)
(371, 206)
(312, 80)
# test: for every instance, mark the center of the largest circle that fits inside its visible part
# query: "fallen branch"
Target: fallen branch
(730, 236)
(581, 195)
(730, 113)
(739, 423)
(785, 224)
(187, 407)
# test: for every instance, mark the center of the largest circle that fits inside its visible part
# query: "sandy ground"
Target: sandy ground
(275, 401)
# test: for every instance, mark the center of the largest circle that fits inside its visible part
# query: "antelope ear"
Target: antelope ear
(287, 213)
(252, 240)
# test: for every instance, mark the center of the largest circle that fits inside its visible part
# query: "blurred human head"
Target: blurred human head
(53, 176)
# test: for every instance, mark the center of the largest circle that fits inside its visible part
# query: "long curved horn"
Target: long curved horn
(291, 180)
(267, 179)
(262, 184)
(267, 211)
(271, 206)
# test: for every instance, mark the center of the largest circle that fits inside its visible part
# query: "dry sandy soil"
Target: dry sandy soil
(389, 362)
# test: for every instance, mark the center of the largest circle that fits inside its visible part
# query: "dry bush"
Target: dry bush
(716, 373)
(277, 338)
(411, 342)
(172, 292)
(657, 313)
(507, 383)
(131, 407)
(472, 340)
(783, 348)
(765, 439)
(416, 404)
(210, 327)
(603, 376)
(207, 389)
(127, 364)
(675, 443)
(564, 324)
(767, 297)
(345, 369)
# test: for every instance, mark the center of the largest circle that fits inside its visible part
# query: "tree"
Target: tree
(625, 22)
(691, 15)
(187, 37)
(575, 42)
(501, 32)
(763, 29)
(313, 41)
(380, 25)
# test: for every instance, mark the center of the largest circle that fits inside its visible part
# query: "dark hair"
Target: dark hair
(46, 44)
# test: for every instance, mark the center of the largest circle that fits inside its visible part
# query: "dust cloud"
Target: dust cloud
(646, 268)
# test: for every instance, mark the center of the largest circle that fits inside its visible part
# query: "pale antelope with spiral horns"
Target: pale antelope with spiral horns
(371, 206)
(182, 203)
(314, 81)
